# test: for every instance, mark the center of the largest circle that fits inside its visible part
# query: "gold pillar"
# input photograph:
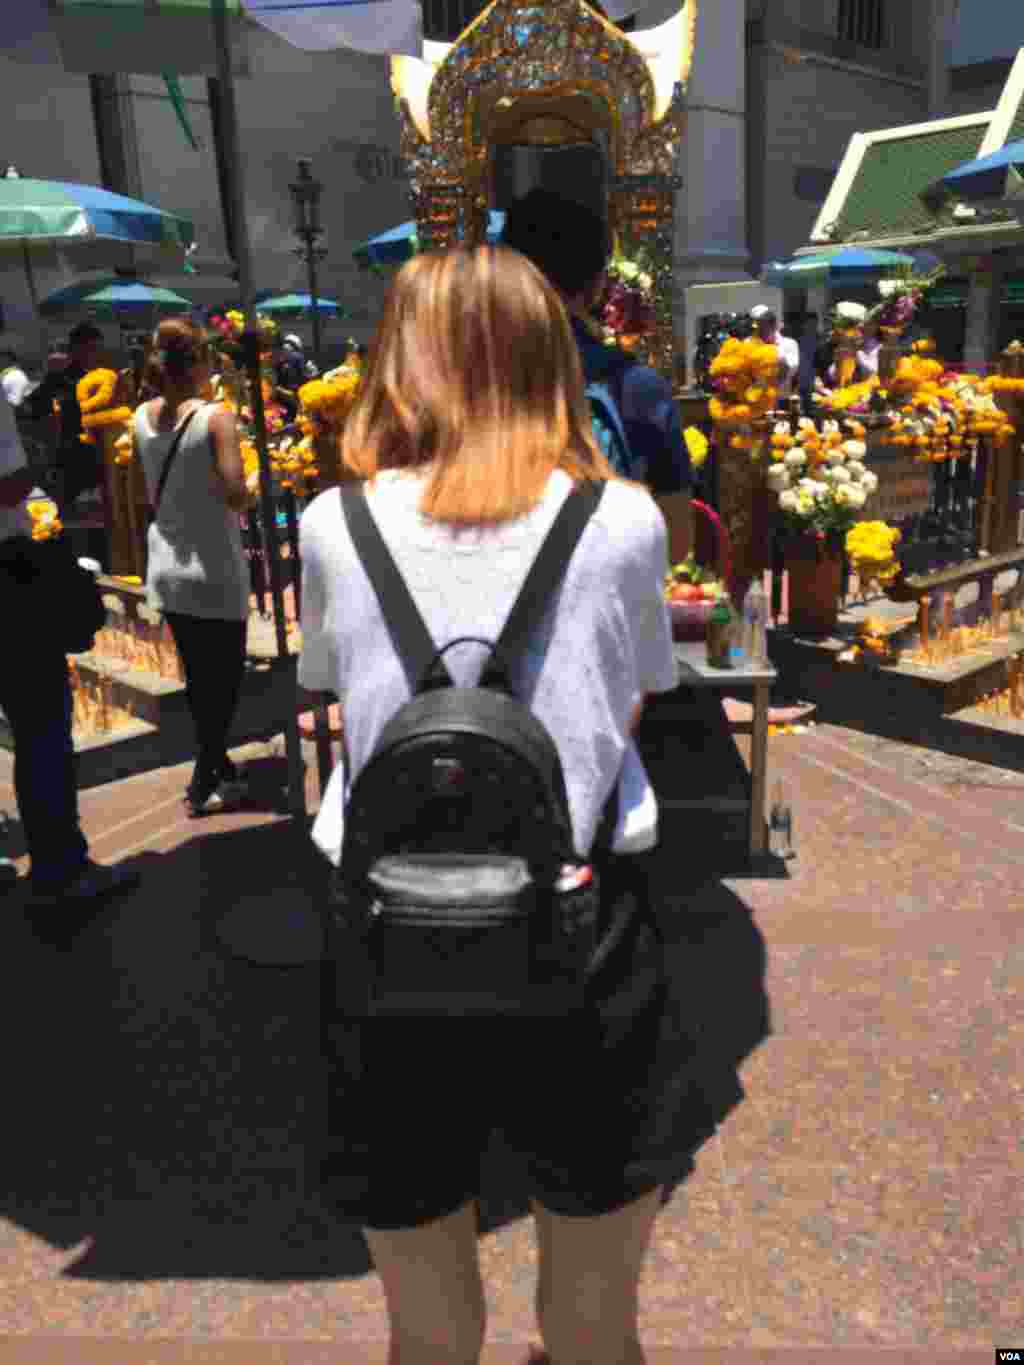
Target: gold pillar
(124, 509)
(746, 504)
(1008, 459)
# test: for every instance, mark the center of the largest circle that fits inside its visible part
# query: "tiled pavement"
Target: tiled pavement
(865, 1198)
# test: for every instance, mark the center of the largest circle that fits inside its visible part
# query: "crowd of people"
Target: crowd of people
(806, 358)
(471, 436)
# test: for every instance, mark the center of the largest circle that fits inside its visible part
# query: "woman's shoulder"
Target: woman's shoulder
(147, 415)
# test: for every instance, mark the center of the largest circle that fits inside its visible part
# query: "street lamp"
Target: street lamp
(305, 194)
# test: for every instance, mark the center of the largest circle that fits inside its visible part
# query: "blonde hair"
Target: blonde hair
(475, 372)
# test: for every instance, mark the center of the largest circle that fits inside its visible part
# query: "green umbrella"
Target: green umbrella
(836, 266)
(81, 219)
(127, 301)
(298, 304)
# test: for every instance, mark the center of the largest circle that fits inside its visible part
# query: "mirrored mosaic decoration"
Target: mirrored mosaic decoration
(553, 76)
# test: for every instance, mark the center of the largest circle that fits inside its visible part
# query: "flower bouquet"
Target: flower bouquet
(870, 549)
(328, 401)
(821, 480)
(46, 524)
(938, 411)
(901, 297)
(744, 376)
(626, 310)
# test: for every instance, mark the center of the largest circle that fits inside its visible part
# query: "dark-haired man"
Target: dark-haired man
(81, 465)
(570, 245)
(35, 696)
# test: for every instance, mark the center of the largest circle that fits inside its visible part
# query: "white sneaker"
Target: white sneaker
(227, 796)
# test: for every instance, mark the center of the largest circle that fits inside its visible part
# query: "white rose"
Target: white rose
(856, 497)
(795, 459)
(869, 482)
(834, 456)
(788, 500)
(839, 474)
(855, 470)
(645, 282)
(778, 478)
(856, 450)
(807, 485)
(822, 491)
(843, 495)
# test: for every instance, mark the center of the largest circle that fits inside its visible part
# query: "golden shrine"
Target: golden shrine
(552, 76)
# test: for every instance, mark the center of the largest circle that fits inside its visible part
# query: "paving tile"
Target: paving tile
(818, 990)
(807, 1235)
(943, 1108)
(807, 1102)
(694, 1289)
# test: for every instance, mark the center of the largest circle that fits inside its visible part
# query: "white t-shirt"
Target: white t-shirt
(605, 640)
(14, 521)
(789, 354)
(15, 383)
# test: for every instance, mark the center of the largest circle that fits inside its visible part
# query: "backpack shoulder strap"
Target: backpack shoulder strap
(546, 572)
(405, 624)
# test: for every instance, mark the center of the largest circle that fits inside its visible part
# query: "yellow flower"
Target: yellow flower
(108, 417)
(96, 390)
(45, 522)
(696, 445)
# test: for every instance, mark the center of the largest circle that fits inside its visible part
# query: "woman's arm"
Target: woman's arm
(227, 460)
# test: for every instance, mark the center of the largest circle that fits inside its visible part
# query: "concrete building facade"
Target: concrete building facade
(777, 90)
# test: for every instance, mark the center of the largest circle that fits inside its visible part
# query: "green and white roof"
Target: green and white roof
(877, 199)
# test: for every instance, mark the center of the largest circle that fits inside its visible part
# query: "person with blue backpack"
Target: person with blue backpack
(636, 420)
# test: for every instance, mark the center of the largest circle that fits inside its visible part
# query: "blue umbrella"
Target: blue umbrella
(835, 267)
(999, 176)
(395, 246)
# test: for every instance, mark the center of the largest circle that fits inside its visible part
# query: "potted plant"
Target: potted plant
(822, 485)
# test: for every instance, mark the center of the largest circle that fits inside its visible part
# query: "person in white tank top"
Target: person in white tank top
(197, 573)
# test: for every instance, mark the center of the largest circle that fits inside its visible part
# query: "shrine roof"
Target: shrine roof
(879, 196)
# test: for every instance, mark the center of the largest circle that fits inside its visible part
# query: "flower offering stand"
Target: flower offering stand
(130, 709)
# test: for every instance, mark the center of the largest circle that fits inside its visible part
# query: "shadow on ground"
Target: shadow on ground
(165, 1100)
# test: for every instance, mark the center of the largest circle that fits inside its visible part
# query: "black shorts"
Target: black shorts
(601, 1109)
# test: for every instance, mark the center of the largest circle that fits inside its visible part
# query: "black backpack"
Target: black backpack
(459, 891)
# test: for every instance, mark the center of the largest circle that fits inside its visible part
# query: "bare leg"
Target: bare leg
(435, 1296)
(587, 1288)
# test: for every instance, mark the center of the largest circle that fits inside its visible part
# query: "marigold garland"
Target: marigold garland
(745, 375)
(96, 390)
(329, 400)
(109, 417)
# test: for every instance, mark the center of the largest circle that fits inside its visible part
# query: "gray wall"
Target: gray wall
(987, 29)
